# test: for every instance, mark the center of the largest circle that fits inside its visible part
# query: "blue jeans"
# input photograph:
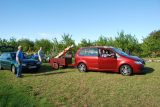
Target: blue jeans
(19, 70)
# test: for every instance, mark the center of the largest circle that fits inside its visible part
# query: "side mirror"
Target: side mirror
(113, 55)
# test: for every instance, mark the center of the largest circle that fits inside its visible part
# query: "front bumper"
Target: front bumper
(31, 67)
(138, 68)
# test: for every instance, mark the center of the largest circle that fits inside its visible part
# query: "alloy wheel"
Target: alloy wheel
(82, 67)
(125, 70)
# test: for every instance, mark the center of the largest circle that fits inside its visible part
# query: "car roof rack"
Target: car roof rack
(98, 47)
(7, 49)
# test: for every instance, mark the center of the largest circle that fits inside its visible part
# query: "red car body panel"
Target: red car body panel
(107, 64)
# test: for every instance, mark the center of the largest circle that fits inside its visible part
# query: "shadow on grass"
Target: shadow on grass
(45, 69)
(146, 70)
(105, 72)
(44, 74)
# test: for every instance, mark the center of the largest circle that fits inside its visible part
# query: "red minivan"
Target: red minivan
(102, 58)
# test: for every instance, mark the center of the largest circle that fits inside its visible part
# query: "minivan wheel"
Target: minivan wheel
(13, 69)
(0, 67)
(125, 70)
(82, 67)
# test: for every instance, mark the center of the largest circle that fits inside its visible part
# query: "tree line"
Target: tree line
(150, 46)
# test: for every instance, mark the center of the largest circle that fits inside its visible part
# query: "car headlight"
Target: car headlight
(24, 64)
(138, 62)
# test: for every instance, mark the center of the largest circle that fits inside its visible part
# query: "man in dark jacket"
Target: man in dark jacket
(19, 59)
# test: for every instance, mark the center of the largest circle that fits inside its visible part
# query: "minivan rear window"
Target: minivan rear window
(88, 52)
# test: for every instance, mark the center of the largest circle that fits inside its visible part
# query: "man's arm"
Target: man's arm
(17, 58)
(39, 53)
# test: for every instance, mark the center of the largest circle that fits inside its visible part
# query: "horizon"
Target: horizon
(83, 19)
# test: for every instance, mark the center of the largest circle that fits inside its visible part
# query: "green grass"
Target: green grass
(70, 88)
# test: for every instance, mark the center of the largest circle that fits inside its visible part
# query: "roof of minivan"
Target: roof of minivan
(98, 47)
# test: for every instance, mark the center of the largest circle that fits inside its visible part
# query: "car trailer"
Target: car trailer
(61, 59)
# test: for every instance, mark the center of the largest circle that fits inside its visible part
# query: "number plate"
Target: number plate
(31, 67)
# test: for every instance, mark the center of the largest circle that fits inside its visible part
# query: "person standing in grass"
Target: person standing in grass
(40, 54)
(19, 59)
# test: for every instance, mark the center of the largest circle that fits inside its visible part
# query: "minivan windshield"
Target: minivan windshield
(120, 52)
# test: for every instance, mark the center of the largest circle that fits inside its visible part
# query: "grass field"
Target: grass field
(70, 88)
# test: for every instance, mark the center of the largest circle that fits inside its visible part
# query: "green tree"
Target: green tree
(56, 47)
(26, 44)
(126, 42)
(151, 44)
(102, 41)
(3, 42)
(66, 41)
(13, 42)
(110, 42)
(85, 43)
(45, 44)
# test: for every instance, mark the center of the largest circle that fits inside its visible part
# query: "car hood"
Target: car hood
(136, 58)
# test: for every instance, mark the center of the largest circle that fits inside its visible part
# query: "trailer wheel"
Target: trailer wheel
(64, 66)
(55, 65)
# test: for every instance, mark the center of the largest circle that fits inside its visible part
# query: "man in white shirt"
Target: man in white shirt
(40, 54)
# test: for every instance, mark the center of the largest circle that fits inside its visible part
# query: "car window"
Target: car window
(3, 56)
(13, 56)
(88, 52)
(106, 53)
(8, 55)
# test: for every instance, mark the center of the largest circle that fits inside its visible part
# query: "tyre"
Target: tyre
(64, 66)
(36, 70)
(0, 67)
(13, 69)
(56, 66)
(82, 67)
(125, 70)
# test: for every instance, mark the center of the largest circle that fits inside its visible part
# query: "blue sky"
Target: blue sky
(84, 19)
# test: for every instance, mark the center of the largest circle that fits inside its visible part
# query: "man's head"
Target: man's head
(20, 47)
(40, 48)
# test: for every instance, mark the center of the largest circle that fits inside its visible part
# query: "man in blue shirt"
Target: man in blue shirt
(19, 59)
